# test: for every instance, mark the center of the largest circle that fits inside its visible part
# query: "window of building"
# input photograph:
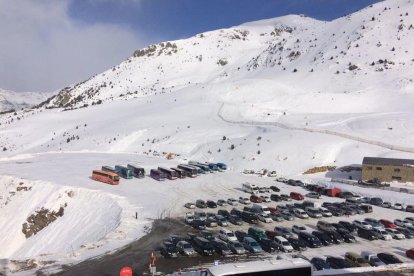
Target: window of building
(378, 168)
(369, 168)
(397, 170)
(396, 178)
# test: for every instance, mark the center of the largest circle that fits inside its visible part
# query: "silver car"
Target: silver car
(236, 247)
(185, 248)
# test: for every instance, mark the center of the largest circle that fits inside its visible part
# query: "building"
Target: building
(388, 169)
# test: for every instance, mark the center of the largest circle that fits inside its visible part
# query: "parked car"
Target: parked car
(349, 226)
(201, 203)
(185, 248)
(384, 235)
(387, 223)
(236, 212)
(267, 245)
(324, 238)
(240, 235)
(190, 205)
(263, 217)
(189, 217)
(285, 197)
(232, 202)
(251, 245)
(300, 213)
(236, 247)
(264, 190)
(313, 195)
(313, 212)
(409, 208)
(265, 198)
(221, 248)
(274, 189)
(356, 260)
(348, 237)
(374, 222)
(203, 246)
(410, 253)
(224, 213)
(366, 208)
(362, 224)
(208, 235)
(319, 263)
(367, 234)
(325, 212)
(335, 211)
(386, 204)
(389, 258)
(244, 200)
(398, 206)
(211, 221)
(395, 234)
(275, 197)
(325, 226)
(410, 219)
(221, 202)
(337, 262)
(298, 228)
(283, 244)
(297, 244)
(249, 217)
(198, 224)
(211, 204)
(255, 199)
(309, 239)
(372, 258)
(376, 201)
(283, 231)
(335, 236)
(169, 250)
(406, 232)
(296, 196)
(288, 217)
(222, 221)
(236, 220)
(256, 233)
(402, 223)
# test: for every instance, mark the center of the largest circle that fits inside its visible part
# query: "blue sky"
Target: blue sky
(49, 44)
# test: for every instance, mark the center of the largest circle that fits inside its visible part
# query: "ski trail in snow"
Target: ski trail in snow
(322, 131)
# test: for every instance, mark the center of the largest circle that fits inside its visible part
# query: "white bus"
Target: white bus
(284, 267)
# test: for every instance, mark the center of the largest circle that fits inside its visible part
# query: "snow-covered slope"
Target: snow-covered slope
(10, 100)
(288, 94)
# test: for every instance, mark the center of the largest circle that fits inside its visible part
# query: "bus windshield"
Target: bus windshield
(116, 178)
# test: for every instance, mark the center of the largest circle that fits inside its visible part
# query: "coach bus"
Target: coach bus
(124, 172)
(109, 169)
(180, 173)
(199, 169)
(203, 167)
(283, 267)
(170, 174)
(137, 171)
(105, 176)
(191, 172)
(213, 167)
(157, 175)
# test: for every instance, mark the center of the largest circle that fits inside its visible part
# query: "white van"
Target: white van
(261, 209)
(250, 188)
(283, 244)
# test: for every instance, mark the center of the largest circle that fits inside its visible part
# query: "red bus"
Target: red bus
(106, 177)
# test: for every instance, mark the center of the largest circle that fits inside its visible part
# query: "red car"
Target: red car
(410, 253)
(297, 196)
(274, 211)
(270, 234)
(256, 199)
(387, 223)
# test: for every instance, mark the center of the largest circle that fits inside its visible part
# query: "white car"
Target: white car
(263, 217)
(265, 198)
(244, 200)
(398, 206)
(189, 217)
(227, 235)
(362, 224)
(283, 244)
(190, 205)
(384, 234)
(232, 202)
(403, 223)
(298, 228)
(325, 212)
(272, 174)
(395, 234)
(300, 213)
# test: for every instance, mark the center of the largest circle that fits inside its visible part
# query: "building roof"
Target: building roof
(387, 161)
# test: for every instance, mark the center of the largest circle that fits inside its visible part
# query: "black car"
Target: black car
(268, 245)
(211, 204)
(275, 197)
(249, 217)
(207, 235)
(367, 234)
(337, 263)
(335, 236)
(240, 235)
(376, 201)
(223, 213)
(201, 203)
(348, 226)
(168, 250)
(211, 222)
(274, 189)
(339, 226)
(198, 224)
(285, 197)
(337, 212)
(325, 239)
(320, 264)
(221, 248)
(407, 233)
(175, 238)
(236, 220)
(203, 247)
(236, 212)
(348, 237)
(388, 258)
(297, 245)
(309, 239)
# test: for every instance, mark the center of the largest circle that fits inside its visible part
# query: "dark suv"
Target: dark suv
(201, 203)
(367, 234)
(309, 239)
(203, 246)
(249, 217)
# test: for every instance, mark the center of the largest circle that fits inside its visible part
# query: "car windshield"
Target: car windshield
(360, 261)
(254, 243)
(187, 246)
(285, 243)
(230, 234)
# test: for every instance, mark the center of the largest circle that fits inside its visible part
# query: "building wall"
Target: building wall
(388, 173)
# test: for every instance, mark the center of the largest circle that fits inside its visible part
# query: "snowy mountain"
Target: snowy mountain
(10, 100)
(288, 94)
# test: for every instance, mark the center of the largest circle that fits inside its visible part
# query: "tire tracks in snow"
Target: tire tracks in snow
(316, 130)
